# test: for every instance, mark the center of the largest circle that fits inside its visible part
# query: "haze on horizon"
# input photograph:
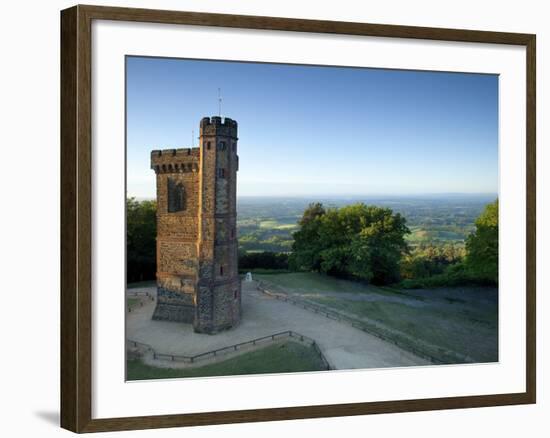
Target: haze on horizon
(321, 131)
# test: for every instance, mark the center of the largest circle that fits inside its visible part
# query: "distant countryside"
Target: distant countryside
(421, 272)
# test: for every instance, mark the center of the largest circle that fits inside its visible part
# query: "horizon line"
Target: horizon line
(388, 195)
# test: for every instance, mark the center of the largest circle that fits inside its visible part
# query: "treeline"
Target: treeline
(356, 241)
(368, 243)
(265, 260)
(141, 231)
(475, 264)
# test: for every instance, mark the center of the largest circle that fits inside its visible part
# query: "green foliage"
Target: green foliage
(140, 240)
(262, 260)
(477, 265)
(482, 245)
(358, 241)
(427, 260)
(453, 275)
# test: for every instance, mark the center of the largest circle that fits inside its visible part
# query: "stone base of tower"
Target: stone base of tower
(219, 307)
(174, 306)
(174, 312)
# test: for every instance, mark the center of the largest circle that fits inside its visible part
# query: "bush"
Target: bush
(263, 260)
(455, 275)
(427, 260)
(141, 229)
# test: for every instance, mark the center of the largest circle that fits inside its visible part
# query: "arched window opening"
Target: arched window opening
(176, 196)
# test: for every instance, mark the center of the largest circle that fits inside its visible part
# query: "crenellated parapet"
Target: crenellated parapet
(175, 160)
(219, 127)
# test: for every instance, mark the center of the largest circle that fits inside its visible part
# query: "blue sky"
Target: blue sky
(306, 130)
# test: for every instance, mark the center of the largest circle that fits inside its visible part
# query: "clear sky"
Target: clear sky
(306, 130)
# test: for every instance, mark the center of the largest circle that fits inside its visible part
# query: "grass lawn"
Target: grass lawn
(131, 301)
(304, 282)
(149, 283)
(280, 358)
(460, 321)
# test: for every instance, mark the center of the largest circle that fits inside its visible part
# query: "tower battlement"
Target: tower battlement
(181, 152)
(197, 273)
(217, 126)
(175, 160)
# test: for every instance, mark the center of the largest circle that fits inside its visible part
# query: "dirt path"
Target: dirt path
(345, 347)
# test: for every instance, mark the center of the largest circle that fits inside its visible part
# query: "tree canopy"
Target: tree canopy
(358, 241)
(482, 245)
(140, 240)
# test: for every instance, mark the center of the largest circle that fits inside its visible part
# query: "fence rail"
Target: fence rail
(232, 348)
(363, 326)
(131, 293)
(137, 294)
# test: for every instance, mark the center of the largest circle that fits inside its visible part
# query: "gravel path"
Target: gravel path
(345, 347)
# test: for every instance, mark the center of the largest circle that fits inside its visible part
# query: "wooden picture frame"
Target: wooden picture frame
(76, 217)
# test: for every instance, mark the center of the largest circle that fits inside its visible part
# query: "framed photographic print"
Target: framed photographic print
(270, 218)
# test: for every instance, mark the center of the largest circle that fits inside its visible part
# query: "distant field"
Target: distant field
(280, 358)
(266, 234)
(425, 234)
(273, 224)
(460, 321)
(267, 224)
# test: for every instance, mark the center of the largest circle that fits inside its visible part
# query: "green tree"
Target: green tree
(428, 259)
(360, 241)
(482, 246)
(306, 246)
(141, 229)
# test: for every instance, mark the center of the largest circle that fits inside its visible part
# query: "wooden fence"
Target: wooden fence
(232, 348)
(371, 329)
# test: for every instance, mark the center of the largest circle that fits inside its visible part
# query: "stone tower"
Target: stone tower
(197, 274)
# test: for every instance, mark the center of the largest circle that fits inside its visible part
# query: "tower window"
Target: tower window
(235, 294)
(234, 147)
(221, 270)
(221, 172)
(208, 145)
(232, 233)
(176, 196)
(222, 145)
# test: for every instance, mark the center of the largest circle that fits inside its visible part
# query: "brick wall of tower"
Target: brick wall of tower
(197, 273)
(219, 291)
(177, 233)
